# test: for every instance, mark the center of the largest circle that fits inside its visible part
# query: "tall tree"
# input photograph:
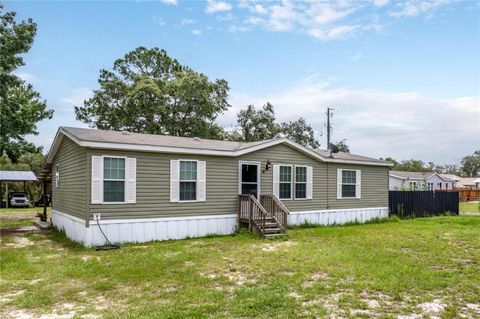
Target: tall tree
(470, 165)
(448, 169)
(149, 92)
(21, 108)
(342, 146)
(255, 125)
(301, 132)
(411, 165)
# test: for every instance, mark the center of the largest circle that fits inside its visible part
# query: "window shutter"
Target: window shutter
(201, 181)
(97, 180)
(358, 186)
(309, 182)
(292, 184)
(57, 175)
(339, 183)
(174, 180)
(276, 179)
(131, 180)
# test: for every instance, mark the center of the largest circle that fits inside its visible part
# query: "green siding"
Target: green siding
(374, 187)
(153, 184)
(71, 194)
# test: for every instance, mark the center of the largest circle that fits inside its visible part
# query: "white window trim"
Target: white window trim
(259, 178)
(292, 181)
(57, 175)
(340, 189)
(196, 182)
(295, 182)
(124, 181)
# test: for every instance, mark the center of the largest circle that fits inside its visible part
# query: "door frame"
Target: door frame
(258, 164)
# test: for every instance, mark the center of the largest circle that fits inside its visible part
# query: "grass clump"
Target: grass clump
(384, 269)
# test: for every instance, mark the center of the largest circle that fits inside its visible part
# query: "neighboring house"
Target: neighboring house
(142, 187)
(415, 181)
(464, 182)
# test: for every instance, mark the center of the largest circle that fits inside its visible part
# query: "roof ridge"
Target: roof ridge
(170, 136)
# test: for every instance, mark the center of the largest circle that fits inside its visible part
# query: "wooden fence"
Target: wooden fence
(407, 204)
(465, 195)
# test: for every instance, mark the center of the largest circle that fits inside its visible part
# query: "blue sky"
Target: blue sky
(403, 76)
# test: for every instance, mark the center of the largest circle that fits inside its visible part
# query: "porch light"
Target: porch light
(268, 165)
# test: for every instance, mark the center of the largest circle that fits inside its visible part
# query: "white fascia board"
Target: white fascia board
(407, 178)
(185, 150)
(56, 143)
(443, 178)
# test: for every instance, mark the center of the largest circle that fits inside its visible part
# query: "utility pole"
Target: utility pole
(328, 127)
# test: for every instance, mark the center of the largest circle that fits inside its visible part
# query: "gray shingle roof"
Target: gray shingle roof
(347, 156)
(94, 135)
(18, 176)
(127, 139)
(412, 175)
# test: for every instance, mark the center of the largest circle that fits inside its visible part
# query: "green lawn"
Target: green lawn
(429, 267)
(470, 208)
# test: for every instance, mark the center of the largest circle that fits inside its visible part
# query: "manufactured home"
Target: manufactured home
(418, 181)
(142, 187)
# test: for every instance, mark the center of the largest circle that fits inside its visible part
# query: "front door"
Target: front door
(249, 178)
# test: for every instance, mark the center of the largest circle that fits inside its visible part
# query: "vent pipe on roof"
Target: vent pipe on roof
(196, 138)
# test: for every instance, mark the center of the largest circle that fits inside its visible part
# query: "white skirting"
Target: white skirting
(143, 230)
(337, 216)
(150, 229)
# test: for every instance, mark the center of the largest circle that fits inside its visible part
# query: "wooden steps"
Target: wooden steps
(268, 217)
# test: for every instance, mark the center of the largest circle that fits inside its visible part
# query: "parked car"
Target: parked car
(18, 199)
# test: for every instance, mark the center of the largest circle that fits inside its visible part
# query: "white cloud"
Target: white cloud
(252, 7)
(340, 32)
(78, 96)
(158, 20)
(356, 57)
(197, 32)
(238, 28)
(402, 125)
(170, 2)
(324, 20)
(411, 8)
(380, 3)
(188, 21)
(218, 6)
(318, 19)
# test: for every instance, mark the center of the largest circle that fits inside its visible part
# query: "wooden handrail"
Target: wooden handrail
(249, 208)
(276, 209)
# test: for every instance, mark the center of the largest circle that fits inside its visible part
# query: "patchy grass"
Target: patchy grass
(422, 267)
(19, 217)
(470, 208)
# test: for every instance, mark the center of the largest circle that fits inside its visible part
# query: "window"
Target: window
(57, 175)
(300, 182)
(430, 186)
(113, 179)
(439, 185)
(446, 185)
(285, 184)
(188, 180)
(413, 186)
(349, 183)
